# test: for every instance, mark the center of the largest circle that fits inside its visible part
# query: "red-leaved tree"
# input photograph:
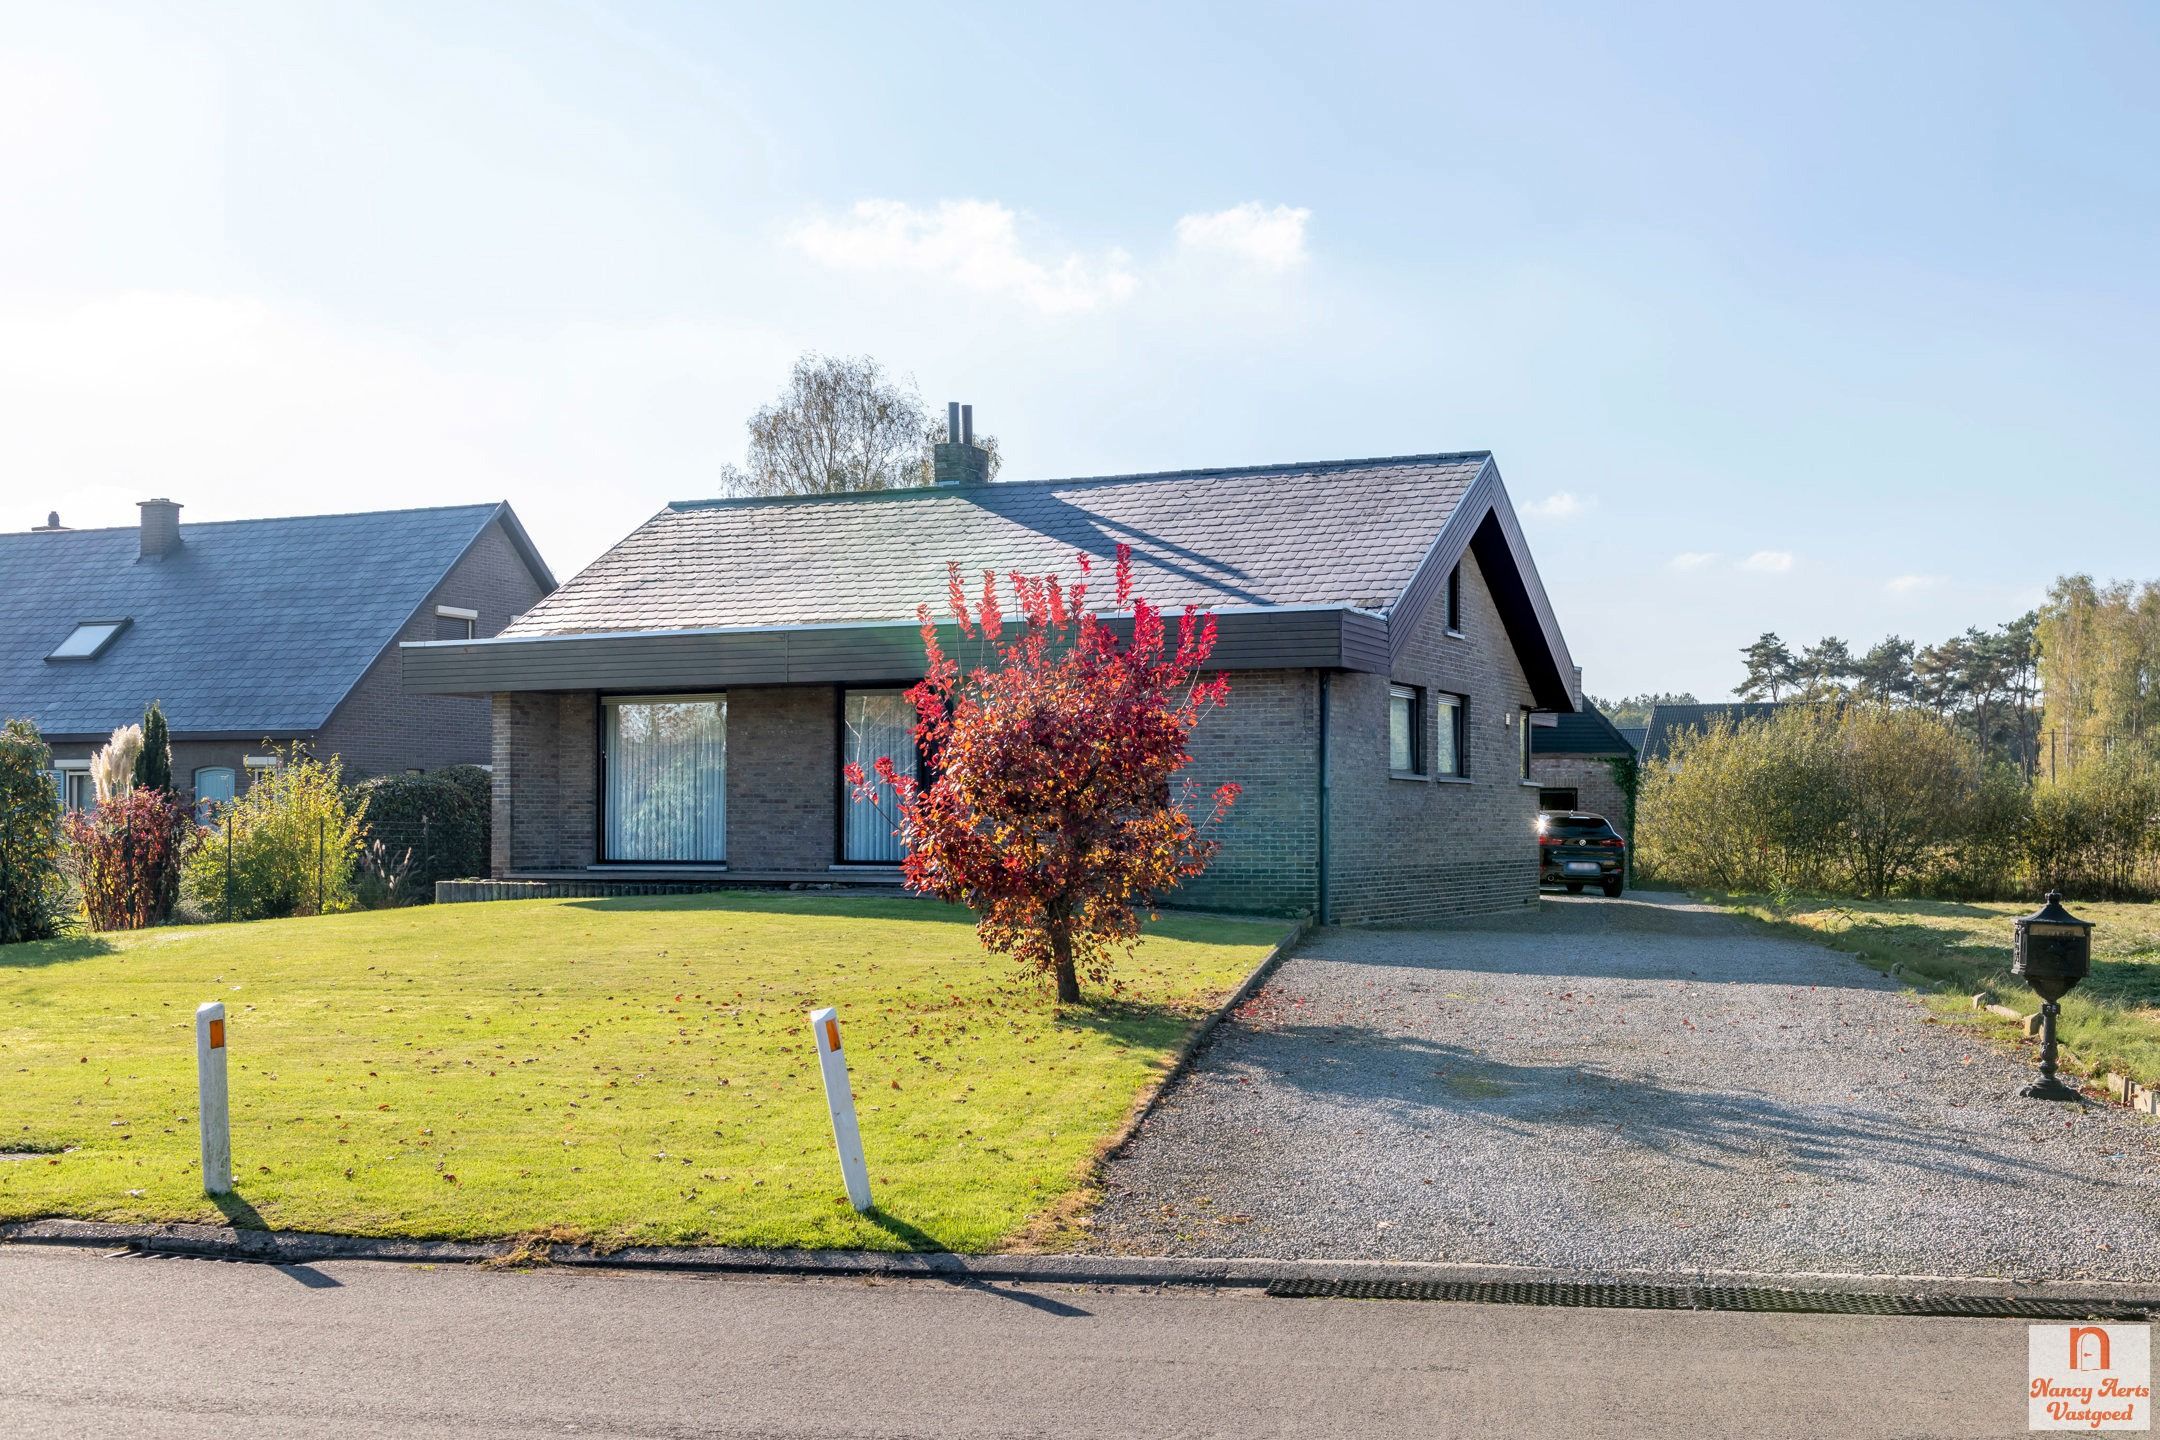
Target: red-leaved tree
(1052, 810)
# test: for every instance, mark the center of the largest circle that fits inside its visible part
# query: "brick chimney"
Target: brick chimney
(160, 528)
(957, 459)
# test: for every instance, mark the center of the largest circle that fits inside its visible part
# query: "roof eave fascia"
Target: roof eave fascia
(813, 626)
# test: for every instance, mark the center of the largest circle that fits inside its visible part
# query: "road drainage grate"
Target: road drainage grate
(1712, 1297)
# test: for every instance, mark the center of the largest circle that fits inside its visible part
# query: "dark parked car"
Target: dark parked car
(1576, 849)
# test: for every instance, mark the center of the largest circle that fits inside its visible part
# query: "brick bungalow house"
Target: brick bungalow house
(254, 633)
(681, 710)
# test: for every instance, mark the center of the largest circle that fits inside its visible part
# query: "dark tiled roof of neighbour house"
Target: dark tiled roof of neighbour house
(1665, 720)
(250, 628)
(1586, 732)
(1342, 533)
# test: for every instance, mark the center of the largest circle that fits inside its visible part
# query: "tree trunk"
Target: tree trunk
(1061, 964)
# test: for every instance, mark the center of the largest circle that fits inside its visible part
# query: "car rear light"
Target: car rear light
(1615, 840)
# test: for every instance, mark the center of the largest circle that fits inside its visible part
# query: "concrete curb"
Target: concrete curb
(217, 1242)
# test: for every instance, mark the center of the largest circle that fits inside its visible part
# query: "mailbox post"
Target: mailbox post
(2054, 952)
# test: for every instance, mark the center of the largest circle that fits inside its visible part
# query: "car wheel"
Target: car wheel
(1612, 889)
(1574, 887)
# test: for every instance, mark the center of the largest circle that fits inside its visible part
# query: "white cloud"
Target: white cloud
(1913, 584)
(1564, 506)
(1263, 236)
(1769, 562)
(972, 243)
(1692, 559)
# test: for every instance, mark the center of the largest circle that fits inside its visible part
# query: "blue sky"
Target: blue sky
(1838, 319)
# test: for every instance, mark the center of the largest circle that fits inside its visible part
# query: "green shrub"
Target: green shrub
(153, 767)
(1863, 800)
(288, 846)
(33, 893)
(431, 820)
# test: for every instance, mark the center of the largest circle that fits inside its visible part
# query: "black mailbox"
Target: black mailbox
(2054, 949)
(2054, 952)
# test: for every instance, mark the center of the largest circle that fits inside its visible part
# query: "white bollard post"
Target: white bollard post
(210, 1097)
(825, 1025)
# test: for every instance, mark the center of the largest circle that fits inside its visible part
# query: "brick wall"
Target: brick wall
(379, 729)
(544, 755)
(782, 753)
(1267, 740)
(1403, 851)
(1596, 790)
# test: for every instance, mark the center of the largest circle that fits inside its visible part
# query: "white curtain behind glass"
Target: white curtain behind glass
(667, 779)
(879, 722)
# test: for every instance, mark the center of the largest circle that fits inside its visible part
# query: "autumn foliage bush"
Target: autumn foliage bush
(1053, 809)
(126, 857)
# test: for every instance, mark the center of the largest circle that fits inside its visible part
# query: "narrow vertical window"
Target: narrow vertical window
(1406, 717)
(1454, 599)
(875, 724)
(1448, 756)
(665, 799)
(1525, 737)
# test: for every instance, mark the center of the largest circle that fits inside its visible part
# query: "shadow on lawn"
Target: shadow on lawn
(35, 954)
(1436, 1087)
(1138, 1024)
(786, 902)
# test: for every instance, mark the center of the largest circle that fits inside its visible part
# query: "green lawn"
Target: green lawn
(633, 1070)
(2111, 1021)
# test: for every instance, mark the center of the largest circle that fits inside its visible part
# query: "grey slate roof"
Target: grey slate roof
(1666, 719)
(1339, 533)
(1585, 732)
(251, 629)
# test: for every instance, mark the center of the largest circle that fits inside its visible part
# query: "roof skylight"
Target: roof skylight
(88, 640)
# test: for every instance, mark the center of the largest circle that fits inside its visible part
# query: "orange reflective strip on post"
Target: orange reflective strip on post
(217, 1034)
(832, 1034)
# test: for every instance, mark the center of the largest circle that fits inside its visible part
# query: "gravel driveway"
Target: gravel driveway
(1642, 1084)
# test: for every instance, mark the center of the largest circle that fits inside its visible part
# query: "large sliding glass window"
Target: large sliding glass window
(666, 763)
(874, 724)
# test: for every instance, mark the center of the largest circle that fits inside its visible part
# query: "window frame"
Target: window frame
(75, 775)
(1459, 705)
(1420, 761)
(1525, 713)
(841, 798)
(601, 858)
(469, 618)
(1452, 620)
(232, 781)
(118, 626)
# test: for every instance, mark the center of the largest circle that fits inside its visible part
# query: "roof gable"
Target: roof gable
(251, 628)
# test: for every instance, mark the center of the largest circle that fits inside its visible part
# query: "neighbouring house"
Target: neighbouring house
(1666, 721)
(1572, 759)
(681, 711)
(254, 634)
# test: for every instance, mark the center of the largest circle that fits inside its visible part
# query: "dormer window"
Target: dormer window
(88, 640)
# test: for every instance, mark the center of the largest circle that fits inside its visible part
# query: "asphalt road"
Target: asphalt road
(122, 1345)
